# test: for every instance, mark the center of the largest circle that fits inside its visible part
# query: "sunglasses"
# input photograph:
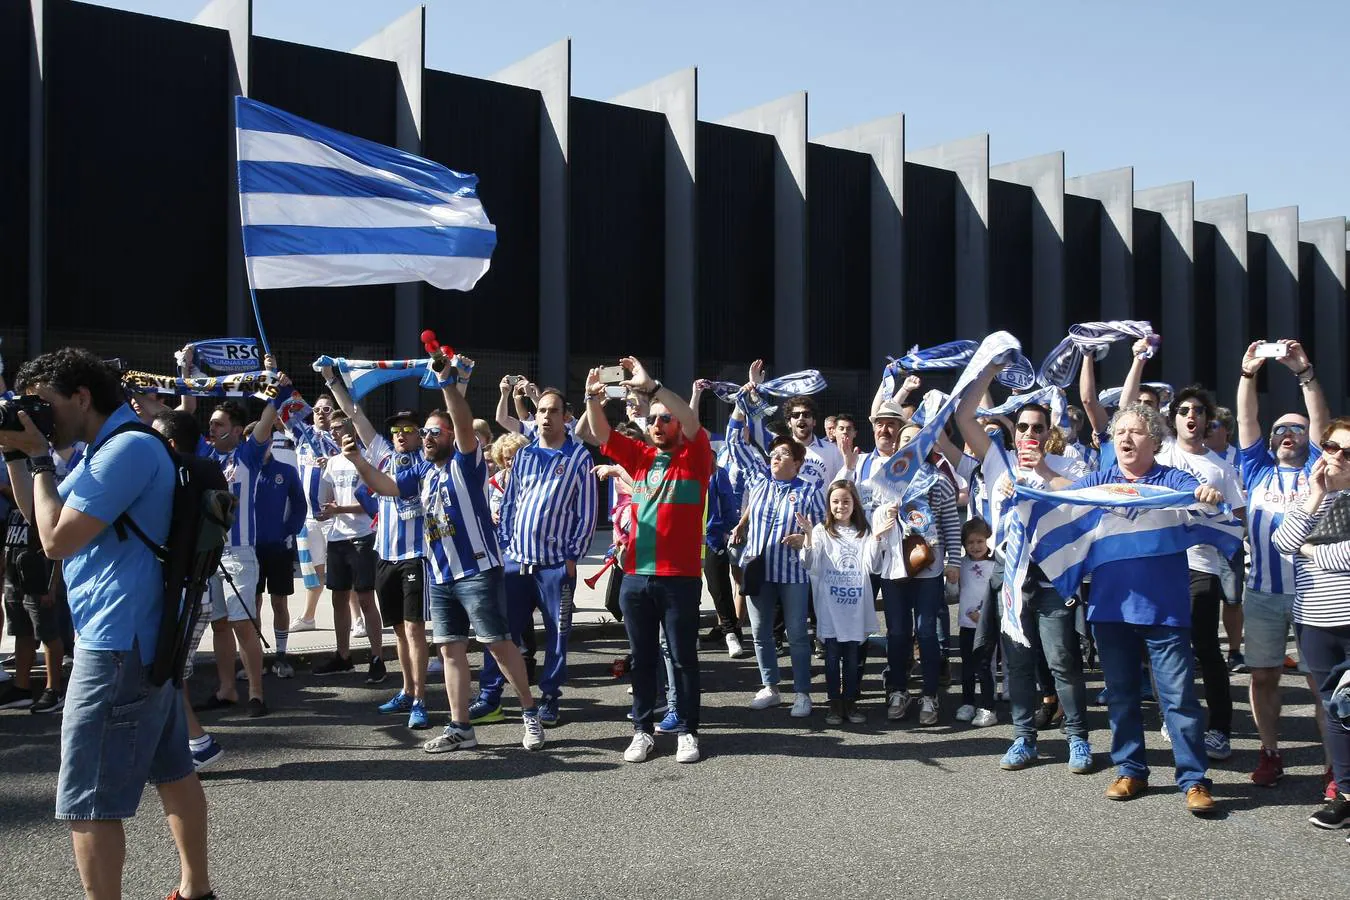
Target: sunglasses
(323, 409)
(800, 414)
(1034, 428)
(403, 429)
(783, 455)
(1331, 448)
(1187, 409)
(433, 431)
(1282, 430)
(663, 418)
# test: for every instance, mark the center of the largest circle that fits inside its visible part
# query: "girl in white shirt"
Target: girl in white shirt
(840, 556)
(976, 568)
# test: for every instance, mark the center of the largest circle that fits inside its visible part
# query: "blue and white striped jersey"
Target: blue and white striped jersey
(313, 448)
(1272, 490)
(241, 467)
(772, 507)
(398, 533)
(457, 529)
(549, 509)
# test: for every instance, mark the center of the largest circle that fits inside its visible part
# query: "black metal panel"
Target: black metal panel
(930, 256)
(617, 200)
(354, 94)
(137, 179)
(492, 130)
(1258, 249)
(1308, 262)
(839, 276)
(735, 300)
(1083, 258)
(1012, 289)
(15, 38)
(1204, 355)
(1148, 236)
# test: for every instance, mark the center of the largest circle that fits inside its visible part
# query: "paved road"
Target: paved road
(326, 799)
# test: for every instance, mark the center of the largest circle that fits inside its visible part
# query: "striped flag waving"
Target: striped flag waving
(321, 208)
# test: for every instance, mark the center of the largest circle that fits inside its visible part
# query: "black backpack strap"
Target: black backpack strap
(124, 522)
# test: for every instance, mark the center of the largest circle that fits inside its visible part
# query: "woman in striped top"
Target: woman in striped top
(1322, 601)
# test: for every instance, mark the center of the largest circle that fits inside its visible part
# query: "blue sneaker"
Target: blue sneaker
(208, 755)
(485, 712)
(1080, 756)
(399, 703)
(671, 724)
(1021, 754)
(548, 711)
(417, 716)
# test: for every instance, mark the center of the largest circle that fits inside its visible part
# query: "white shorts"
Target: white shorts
(316, 536)
(241, 564)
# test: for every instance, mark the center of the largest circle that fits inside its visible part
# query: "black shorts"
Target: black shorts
(276, 570)
(351, 564)
(28, 618)
(401, 589)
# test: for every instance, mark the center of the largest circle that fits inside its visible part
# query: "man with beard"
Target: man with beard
(1274, 471)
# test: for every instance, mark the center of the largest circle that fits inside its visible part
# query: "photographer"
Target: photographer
(120, 730)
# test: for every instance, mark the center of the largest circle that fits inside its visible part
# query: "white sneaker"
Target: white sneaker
(801, 707)
(966, 713)
(641, 747)
(897, 705)
(534, 732)
(735, 649)
(984, 718)
(300, 624)
(928, 710)
(283, 669)
(359, 629)
(435, 666)
(686, 751)
(768, 696)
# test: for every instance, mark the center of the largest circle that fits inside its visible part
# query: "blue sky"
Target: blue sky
(1238, 96)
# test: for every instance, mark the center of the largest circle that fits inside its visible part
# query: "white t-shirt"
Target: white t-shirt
(1211, 471)
(338, 484)
(975, 575)
(823, 460)
(841, 569)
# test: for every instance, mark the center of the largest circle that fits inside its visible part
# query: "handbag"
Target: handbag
(752, 577)
(1333, 525)
(917, 552)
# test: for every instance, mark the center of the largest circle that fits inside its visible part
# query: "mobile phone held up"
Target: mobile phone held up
(612, 374)
(1271, 350)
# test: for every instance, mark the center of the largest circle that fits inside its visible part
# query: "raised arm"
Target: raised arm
(644, 383)
(461, 417)
(379, 482)
(1248, 406)
(1129, 392)
(187, 403)
(968, 410)
(1087, 396)
(504, 418)
(597, 432)
(1297, 361)
(262, 432)
(364, 430)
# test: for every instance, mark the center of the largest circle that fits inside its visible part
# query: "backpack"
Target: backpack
(199, 527)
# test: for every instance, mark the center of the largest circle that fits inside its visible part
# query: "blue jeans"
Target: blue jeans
(795, 598)
(1119, 647)
(522, 596)
(842, 654)
(1048, 625)
(908, 601)
(650, 602)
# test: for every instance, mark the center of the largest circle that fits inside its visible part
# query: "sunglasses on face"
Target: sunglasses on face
(1331, 448)
(323, 409)
(403, 429)
(800, 414)
(1282, 430)
(433, 431)
(663, 418)
(1187, 409)
(1034, 428)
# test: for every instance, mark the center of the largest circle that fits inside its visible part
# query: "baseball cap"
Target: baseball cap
(403, 415)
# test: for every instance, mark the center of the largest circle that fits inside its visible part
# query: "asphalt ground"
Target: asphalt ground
(325, 798)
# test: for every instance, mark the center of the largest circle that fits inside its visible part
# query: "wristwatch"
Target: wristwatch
(37, 465)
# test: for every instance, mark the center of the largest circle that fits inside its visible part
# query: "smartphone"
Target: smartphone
(615, 391)
(612, 374)
(1271, 350)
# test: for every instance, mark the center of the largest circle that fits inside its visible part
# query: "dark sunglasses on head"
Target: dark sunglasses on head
(403, 429)
(800, 414)
(1187, 409)
(1331, 448)
(433, 431)
(663, 418)
(1282, 430)
(1033, 427)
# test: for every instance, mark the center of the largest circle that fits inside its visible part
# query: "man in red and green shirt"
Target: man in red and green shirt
(663, 570)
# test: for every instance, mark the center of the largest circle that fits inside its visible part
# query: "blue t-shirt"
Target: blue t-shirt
(1149, 590)
(115, 587)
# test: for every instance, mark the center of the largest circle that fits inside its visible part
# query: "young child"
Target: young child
(840, 557)
(976, 568)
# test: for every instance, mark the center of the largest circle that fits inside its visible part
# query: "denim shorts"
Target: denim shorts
(118, 732)
(1267, 621)
(478, 601)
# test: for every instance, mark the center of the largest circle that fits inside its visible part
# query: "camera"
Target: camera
(39, 410)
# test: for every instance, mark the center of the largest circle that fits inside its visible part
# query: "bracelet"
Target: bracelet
(595, 395)
(1300, 373)
(656, 386)
(1304, 382)
(37, 465)
(464, 380)
(1246, 374)
(14, 455)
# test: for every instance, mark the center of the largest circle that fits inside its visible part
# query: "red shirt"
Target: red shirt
(669, 490)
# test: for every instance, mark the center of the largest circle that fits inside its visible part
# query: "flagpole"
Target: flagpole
(257, 317)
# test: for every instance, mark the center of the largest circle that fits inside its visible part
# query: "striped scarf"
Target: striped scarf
(1018, 374)
(1061, 365)
(261, 385)
(797, 384)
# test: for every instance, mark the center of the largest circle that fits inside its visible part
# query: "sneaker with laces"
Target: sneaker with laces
(984, 718)
(1270, 769)
(854, 715)
(548, 711)
(1237, 663)
(209, 755)
(299, 623)
(454, 738)
(1080, 756)
(399, 703)
(639, 748)
(801, 707)
(335, 666)
(897, 705)
(736, 649)
(359, 628)
(12, 697)
(1021, 754)
(49, 701)
(377, 671)
(768, 696)
(1217, 745)
(835, 714)
(686, 749)
(671, 724)
(484, 712)
(966, 713)
(282, 668)
(1335, 814)
(534, 730)
(417, 716)
(928, 710)
(435, 666)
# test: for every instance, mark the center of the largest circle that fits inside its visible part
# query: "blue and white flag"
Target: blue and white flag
(1051, 397)
(1018, 374)
(1061, 365)
(361, 376)
(321, 208)
(225, 356)
(797, 384)
(1111, 396)
(1069, 533)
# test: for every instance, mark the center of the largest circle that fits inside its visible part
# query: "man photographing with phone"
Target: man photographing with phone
(120, 730)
